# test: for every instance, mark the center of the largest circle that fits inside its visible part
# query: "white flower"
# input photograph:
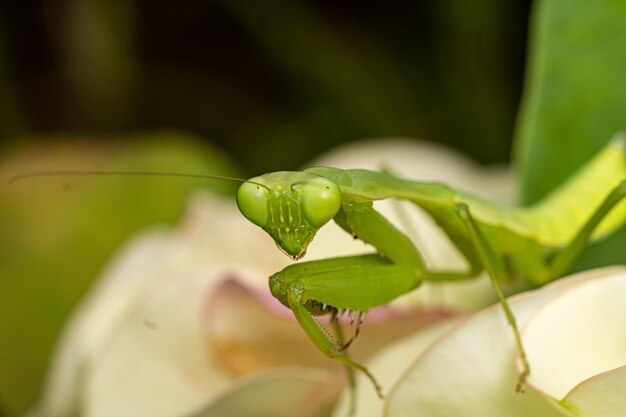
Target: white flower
(182, 322)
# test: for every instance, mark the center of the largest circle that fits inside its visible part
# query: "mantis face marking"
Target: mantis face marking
(290, 207)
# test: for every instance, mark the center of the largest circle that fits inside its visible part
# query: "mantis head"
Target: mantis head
(290, 207)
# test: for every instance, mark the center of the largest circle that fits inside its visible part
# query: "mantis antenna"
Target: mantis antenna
(78, 173)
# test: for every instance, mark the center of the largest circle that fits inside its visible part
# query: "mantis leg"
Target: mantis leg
(365, 223)
(564, 260)
(322, 340)
(354, 282)
(349, 371)
(357, 283)
(496, 269)
(330, 286)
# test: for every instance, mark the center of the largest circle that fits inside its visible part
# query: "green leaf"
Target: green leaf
(575, 100)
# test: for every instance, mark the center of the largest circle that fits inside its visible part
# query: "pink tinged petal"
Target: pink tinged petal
(250, 330)
(292, 391)
(158, 362)
(576, 340)
(471, 371)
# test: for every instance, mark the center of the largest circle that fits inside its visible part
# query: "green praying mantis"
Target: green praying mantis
(537, 244)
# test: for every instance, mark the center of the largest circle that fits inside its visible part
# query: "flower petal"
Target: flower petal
(290, 391)
(251, 331)
(471, 372)
(160, 347)
(388, 366)
(577, 336)
(600, 396)
(90, 326)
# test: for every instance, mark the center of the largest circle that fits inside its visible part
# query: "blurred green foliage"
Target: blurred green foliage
(574, 102)
(273, 83)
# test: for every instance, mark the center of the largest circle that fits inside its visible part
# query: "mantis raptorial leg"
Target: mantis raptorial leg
(345, 281)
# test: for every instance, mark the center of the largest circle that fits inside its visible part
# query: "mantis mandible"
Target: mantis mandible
(537, 244)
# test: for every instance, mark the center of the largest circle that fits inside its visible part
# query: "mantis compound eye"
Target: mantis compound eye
(321, 200)
(252, 202)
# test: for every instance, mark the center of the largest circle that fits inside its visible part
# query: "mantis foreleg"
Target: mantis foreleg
(327, 286)
(323, 341)
(349, 370)
(362, 221)
(355, 282)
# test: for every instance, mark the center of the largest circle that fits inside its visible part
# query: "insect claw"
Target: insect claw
(362, 317)
(357, 316)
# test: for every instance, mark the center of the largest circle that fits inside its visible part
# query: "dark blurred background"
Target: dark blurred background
(271, 82)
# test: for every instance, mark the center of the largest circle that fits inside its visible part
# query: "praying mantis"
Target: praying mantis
(536, 244)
